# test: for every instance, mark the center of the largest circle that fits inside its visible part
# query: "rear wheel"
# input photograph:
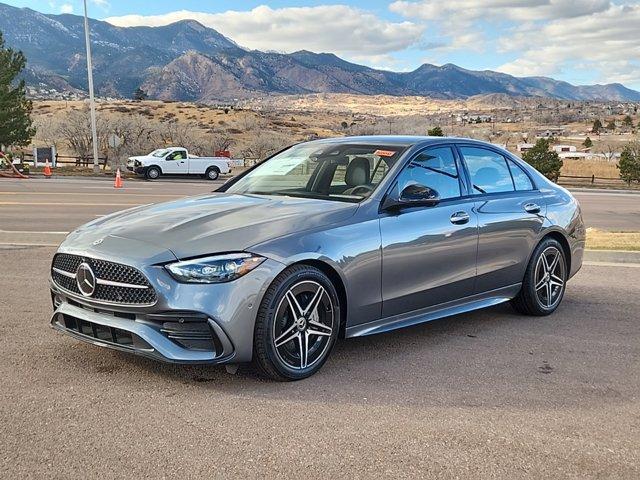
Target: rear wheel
(297, 324)
(212, 173)
(153, 173)
(544, 281)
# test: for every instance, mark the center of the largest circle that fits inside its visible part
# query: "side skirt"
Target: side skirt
(455, 307)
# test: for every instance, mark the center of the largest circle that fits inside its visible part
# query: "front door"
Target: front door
(176, 162)
(429, 253)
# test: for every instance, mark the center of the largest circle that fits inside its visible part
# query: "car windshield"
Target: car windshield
(161, 152)
(341, 172)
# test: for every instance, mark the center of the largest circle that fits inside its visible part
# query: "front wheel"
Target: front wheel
(297, 324)
(544, 280)
(153, 173)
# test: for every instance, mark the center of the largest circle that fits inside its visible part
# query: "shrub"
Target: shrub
(546, 162)
(629, 164)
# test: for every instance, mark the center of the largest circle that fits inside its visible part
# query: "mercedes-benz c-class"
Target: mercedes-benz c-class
(326, 239)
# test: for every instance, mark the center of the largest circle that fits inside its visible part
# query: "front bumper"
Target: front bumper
(189, 323)
(138, 170)
(144, 337)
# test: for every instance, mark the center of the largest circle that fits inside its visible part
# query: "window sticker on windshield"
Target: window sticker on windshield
(384, 153)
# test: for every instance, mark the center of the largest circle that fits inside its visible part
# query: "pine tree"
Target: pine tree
(15, 110)
(588, 143)
(629, 164)
(140, 94)
(435, 132)
(597, 126)
(546, 162)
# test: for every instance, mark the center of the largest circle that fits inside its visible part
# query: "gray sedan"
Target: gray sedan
(338, 237)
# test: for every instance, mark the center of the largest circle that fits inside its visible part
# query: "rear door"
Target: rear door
(510, 216)
(429, 253)
(176, 162)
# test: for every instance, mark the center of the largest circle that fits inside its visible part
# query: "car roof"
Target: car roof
(399, 140)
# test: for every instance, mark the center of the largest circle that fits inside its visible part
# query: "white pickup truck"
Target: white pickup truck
(177, 161)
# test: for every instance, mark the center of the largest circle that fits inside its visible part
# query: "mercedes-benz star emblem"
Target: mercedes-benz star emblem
(85, 279)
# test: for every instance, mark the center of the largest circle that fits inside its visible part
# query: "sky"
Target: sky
(580, 41)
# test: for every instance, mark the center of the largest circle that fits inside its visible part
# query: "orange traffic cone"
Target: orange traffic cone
(118, 183)
(47, 169)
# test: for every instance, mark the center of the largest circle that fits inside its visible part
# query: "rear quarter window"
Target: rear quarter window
(488, 170)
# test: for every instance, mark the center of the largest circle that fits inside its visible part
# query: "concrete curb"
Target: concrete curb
(612, 256)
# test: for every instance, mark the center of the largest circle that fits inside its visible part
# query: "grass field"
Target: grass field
(602, 240)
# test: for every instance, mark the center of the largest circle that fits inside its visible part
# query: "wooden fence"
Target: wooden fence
(591, 180)
(78, 161)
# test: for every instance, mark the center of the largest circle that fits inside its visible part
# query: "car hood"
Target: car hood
(215, 223)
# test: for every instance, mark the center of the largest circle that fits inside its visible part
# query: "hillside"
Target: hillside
(190, 62)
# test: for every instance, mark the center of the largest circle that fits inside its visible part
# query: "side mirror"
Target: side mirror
(415, 195)
(418, 195)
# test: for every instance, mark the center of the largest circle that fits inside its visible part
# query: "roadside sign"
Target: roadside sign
(114, 140)
(42, 154)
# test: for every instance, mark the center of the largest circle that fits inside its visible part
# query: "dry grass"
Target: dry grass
(601, 240)
(586, 168)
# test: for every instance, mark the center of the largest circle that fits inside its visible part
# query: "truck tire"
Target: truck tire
(212, 173)
(152, 173)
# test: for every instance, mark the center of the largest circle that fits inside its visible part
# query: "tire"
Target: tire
(541, 291)
(280, 338)
(212, 173)
(152, 173)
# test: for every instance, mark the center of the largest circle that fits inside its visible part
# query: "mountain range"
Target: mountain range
(188, 61)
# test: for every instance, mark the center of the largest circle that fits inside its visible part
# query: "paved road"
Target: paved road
(59, 204)
(607, 210)
(487, 394)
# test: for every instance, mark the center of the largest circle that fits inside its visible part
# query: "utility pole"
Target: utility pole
(92, 102)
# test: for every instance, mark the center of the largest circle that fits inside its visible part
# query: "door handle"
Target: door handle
(532, 208)
(460, 218)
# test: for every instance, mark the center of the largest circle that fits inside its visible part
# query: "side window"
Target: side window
(434, 168)
(520, 178)
(488, 170)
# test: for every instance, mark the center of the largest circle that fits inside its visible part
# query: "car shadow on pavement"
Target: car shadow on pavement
(492, 357)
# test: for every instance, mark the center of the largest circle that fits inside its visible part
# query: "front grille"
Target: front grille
(116, 283)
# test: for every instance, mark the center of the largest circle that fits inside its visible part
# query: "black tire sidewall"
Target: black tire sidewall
(208, 173)
(268, 309)
(530, 276)
(149, 177)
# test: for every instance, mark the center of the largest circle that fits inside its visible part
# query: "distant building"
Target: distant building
(524, 147)
(550, 132)
(564, 148)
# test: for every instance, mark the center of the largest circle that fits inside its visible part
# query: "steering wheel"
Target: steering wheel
(365, 189)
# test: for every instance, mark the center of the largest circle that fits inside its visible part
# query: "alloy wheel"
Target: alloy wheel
(550, 277)
(303, 325)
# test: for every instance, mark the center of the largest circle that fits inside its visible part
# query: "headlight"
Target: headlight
(217, 269)
(137, 163)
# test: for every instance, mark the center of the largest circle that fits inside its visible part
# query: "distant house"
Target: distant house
(564, 148)
(524, 147)
(550, 132)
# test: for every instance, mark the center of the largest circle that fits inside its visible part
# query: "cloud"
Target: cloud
(524, 10)
(607, 42)
(339, 29)
(66, 8)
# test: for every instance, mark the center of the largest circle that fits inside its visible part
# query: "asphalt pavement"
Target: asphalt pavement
(486, 394)
(61, 204)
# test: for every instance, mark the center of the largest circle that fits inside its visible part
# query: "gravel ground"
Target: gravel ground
(488, 394)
